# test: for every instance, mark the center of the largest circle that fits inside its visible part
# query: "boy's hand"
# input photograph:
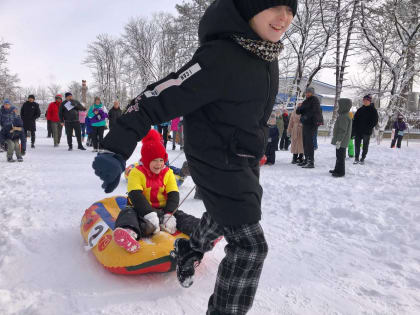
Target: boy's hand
(108, 167)
(169, 224)
(153, 218)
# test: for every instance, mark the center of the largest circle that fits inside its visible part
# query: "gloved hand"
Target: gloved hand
(98, 117)
(152, 217)
(338, 145)
(108, 167)
(169, 223)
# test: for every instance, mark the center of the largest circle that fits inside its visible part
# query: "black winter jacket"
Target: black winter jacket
(365, 119)
(226, 95)
(71, 115)
(29, 113)
(113, 115)
(310, 111)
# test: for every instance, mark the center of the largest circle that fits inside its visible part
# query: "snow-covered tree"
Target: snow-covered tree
(8, 81)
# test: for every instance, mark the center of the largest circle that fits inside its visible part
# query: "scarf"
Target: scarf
(263, 49)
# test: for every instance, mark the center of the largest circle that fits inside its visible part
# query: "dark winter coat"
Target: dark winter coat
(365, 119)
(72, 114)
(7, 132)
(30, 112)
(343, 125)
(7, 115)
(399, 126)
(310, 111)
(286, 121)
(226, 95)
(113, 115)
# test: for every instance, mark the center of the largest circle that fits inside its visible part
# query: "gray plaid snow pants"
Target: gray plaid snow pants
(240, 270)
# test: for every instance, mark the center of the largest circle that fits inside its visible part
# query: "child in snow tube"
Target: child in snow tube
(152, 197)
(97, 226)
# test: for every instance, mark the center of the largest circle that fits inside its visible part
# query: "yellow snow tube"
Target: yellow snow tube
(97, 227)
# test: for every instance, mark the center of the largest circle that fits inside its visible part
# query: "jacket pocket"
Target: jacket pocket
(249, 144)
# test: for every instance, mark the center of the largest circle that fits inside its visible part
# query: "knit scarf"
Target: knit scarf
(263, 49)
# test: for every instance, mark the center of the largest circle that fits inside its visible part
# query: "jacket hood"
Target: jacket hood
(17, 122)
(221, 20)
(344, 105)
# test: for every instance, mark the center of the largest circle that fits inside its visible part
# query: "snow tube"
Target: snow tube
(97, 227)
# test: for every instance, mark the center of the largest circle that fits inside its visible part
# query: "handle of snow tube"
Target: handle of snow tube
(180, 204)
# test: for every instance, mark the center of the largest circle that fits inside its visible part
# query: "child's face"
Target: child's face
(157, 165)
(272, 23)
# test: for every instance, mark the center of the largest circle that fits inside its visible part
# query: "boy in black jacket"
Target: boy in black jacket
(226, 94)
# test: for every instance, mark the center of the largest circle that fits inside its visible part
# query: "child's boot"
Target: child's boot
(127, 239)
(187, 260)
(10, 159)
(295, 159)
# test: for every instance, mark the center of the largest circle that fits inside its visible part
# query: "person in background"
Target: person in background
(285, 141)
(280, 127)
(12, 133)
(341, 136)
(273, 136)
(399, 128)
(310, 112)
(114, 113)
(97, 118)
(294, 131)
(7, 113)
(29, 113)
(69, 116)
(54, 118)
(176, 132)
(163, 130)
(49, 126)
(365, 119)
(82, 120)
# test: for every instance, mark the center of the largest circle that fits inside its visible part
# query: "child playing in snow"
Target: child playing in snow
(153, 196)
(399, 128)
(226, 94)
(341, 136)
(11, 134)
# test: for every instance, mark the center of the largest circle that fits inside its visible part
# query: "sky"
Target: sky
(49, 38)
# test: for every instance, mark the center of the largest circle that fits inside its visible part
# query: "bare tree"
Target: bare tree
(54, 89)
(396, 55)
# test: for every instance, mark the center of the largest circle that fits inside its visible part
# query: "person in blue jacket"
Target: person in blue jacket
(12, 133)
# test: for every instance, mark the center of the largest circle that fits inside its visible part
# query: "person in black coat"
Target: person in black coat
(114, 113)
(69, 116)
(285, 141)
(311, 116)
(273, 137)
(29, 113)
(226, 94)
(365, 119)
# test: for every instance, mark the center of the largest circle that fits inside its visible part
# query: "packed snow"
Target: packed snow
(337, 245)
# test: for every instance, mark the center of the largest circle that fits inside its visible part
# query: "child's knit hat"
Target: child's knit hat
(250, 8)
(152, 148)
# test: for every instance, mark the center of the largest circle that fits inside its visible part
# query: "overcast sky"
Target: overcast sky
(50, 37)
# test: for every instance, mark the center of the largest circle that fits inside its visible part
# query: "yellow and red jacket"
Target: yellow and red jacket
(155, 187)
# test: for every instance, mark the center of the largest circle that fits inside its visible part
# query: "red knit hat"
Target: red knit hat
(152, 148)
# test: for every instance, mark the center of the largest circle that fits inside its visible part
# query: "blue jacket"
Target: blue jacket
(5, 133)
(7, 115)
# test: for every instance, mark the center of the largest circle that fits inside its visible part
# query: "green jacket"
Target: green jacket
(343, 124)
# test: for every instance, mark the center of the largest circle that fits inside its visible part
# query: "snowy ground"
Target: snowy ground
(337, 246)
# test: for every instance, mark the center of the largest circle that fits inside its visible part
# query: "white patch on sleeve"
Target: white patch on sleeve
(174, 82)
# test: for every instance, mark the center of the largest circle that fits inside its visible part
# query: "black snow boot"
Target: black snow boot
(187, 260)
(310, 164)
(295, 159)
(185, 171)
(304, 162)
